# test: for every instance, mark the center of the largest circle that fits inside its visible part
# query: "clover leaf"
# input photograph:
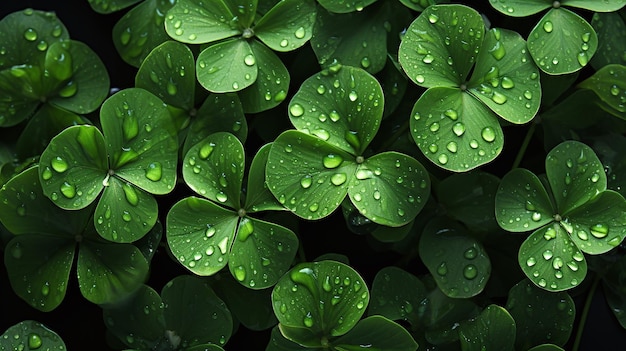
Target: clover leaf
(40, 256)
(562, 42)
(454, 123)
(609, 85)
(235, 53)
(187, 316)
(30, 335)
(205, 234)
(494, 329)
(571, 214)
(134, 158)
(611, 31)
(310, 170)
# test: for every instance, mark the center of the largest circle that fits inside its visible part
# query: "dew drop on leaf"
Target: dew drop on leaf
(154, 171)
(331, 161)
(59, 164)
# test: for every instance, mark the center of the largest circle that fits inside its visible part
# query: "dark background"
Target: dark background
(79, 322)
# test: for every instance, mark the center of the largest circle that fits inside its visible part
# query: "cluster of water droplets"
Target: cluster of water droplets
(469, 270)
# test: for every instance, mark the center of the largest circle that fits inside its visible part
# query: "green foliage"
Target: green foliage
(331, 174)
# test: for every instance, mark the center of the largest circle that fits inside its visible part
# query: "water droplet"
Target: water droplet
(126, 216)
(452, 114)
(365, 62)
(582, 58)
(283, 43)
(536, 216)
(221, 197)
(240, 273)
(582, 235)
(443, 159)
(296, 110)
(434, 127)
(210, 231)
(599, 231)
(452, 147)
(432, 18)
(223, 245)
(428, 58)
(433, 148)
(331, 161)
(34, 341)
(30, 34)
(442, 269)
(470, 253)
(308, 320)
(171, 88)
(586, 37)
(498, 98)
(548, 27)
(206, 150)
(338, 178)
(299, 33)
(321, 133)
(306, 182)
(59, 164)
(531, 261)
(507, 83)
(68, 190)
(353, 96)
(131, 194)
(497, 51)
(419, 78)
(249, 60)
(547, 255)
(470, 272)
(154, 171)
(488, 134)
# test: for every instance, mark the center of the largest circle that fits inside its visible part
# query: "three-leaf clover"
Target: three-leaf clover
(455, 122)
(238, 54)
(562, 41)
(134, 157)
(40, 256)
(206, 234)
(187, 316)
(337, 113)
(570, 213)
(319, 306)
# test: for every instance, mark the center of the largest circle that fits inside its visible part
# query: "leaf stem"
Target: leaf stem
(522, 150)
(585, 312)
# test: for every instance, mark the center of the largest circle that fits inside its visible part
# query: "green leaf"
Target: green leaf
(33, 334)
(271, 85)
(345, 6)
(390, 188)
(27, 35)
(308, 175)
(540, 316)
(522, 203)
(195, 313)
(556, 52)
(551, 260)
(455, 130)
(200, 234)
(198, 22)
(258, 195)
(603, 6)
(395, 294)
(329, 299)
(73, 167)
(25, 210)
(38, 267)
(575, 175)
(609, 84)
(262, 253)
(227, 66)
(611, 31)
(343, 108)
(214, 168)
(376, 333)
(124, 213)
(109, 272)
(520, 8)
(440, 46)
(244, 11)
(505, 78)
(367, 49)
(279, 343)
(141, 316)
(169, 72)
(18, 89)
(288, 25)
(109, 6)
(493, 329)
(599, 224)
(140, 140)
(458, 262)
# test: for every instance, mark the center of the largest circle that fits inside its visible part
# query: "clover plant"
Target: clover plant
(391, 175)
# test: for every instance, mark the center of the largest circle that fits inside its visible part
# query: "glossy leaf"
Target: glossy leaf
(198, 22)
(271, 85)
(195, 313)
(611, 31)
(455, 130)
(30, 335)
(124, 213)
(505, 78)
(608, 84)
(604, 6)
(279, 343)
(540, 316)
(395, 294)
(109, 272)
(493, 329)
(551, 260)
(390, 188)
(19, 95)
(288, 25)
(575, 175)
(244, 11)
(522, 203)
(139, 140)
(261, 253)
(200, 234)
(227, 66)
(458, 262)
(38, 267)
(214, 168)
(169, 73)
(345, 6)
(441, 34)
(307, 175)
(376, 333)
(366, 49)
(73, 167)
(520, 8)
(343, 108)
(554, 51)
(343, 292)
(258, 195)
(109, 6)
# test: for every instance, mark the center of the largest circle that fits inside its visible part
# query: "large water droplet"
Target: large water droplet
(470, 272)
(249, 60)
(332, 161)
(338, 178)
(68, 190)
(154, 171)
(59, 164)
(131, 194)
(599, 231)
(34, 341)
(296, 110)
(548, 26)
(488, 134)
